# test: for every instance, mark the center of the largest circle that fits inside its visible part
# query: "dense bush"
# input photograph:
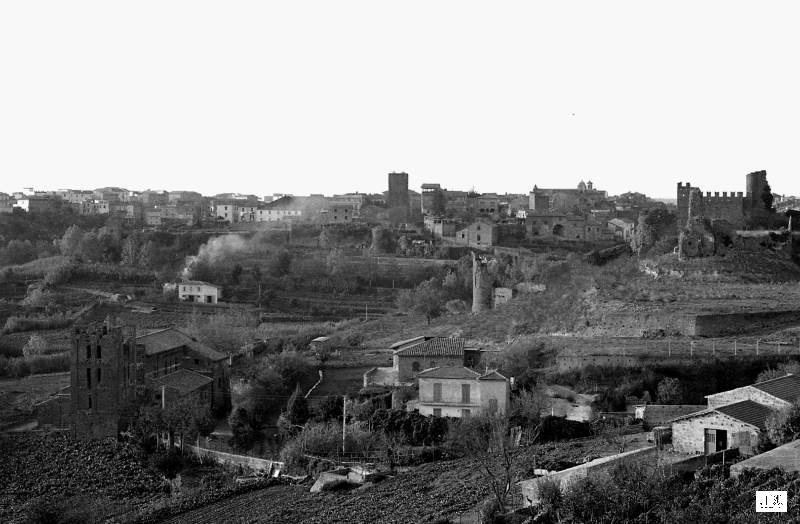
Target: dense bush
(409, 427)
(559, 428)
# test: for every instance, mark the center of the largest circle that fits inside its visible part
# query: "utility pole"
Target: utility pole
(344, 422)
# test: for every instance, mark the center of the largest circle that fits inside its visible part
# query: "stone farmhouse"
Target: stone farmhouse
(461, 392)
(177, 364)
(735, 418)
(411, 356)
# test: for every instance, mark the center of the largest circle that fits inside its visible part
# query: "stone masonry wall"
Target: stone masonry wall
(567, 477)
(688, 436)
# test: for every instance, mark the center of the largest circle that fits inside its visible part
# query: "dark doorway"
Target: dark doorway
(715, 440)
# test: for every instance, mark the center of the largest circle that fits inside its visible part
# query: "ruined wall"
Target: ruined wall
(728, 207)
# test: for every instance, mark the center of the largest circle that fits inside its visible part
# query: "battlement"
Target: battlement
(687, 186)
(725, 196)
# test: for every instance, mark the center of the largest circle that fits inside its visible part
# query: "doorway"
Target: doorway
(715, 440)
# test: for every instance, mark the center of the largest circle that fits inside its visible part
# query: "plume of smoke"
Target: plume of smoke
(219, 250)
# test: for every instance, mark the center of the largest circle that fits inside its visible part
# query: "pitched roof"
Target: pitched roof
(785, 388)
(183, 381)
(449, 372)
(196, 283)
(492, 375)
(405, 342)
(747, 411)
(170, 338)
(434, 346)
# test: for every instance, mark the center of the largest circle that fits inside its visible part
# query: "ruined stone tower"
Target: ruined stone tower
(696, 208)
(104, 378)
(756, 182)
(481, 284)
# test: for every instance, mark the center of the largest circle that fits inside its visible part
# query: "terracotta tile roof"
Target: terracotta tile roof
(785, 388)
(449, 372)
(434, 346)
(170, 338)
(747, 411)
(183, 381)
(405, 342)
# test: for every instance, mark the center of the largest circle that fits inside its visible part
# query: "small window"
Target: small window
(437, 412)
(98, 352)
(465, 394)
(437, 392)
(88, 378)
(99, 374)
(415, 366)
(90, 402)
(197, 362)
(88, 351)
(492, 405)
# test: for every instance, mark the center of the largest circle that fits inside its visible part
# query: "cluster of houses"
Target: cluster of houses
(578, 214)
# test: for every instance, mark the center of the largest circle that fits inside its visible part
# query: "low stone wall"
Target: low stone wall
(530, 488)
(726, 324)
(231, 460)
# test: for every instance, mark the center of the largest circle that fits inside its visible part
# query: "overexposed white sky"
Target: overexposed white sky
(329, 96)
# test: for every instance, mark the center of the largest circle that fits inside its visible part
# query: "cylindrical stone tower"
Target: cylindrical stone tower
(481, 285)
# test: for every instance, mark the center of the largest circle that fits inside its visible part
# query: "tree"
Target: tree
(280, 264)
(783, 426)
(130, 251)
(492, 440)
(426, 299)
(236, 274)
(145, 258)
(330, 408)
(297, 408)
(244, 428)
(670, 391)
(70, 242)
(767, 197)
(36, 345)
(17, 252)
